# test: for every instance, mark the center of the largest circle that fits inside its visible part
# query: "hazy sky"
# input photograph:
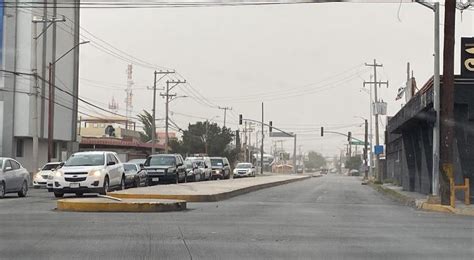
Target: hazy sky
(305, 62)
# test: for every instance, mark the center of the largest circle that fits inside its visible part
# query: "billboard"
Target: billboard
(467, 57)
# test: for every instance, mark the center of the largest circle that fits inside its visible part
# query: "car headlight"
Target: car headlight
(59, 173)
(95, 173)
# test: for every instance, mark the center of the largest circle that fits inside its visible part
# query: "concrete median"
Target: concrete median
(101, 204)
(207, 191)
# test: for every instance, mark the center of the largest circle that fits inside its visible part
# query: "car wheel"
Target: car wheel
(2, 190)
(105, 188)
(122, 183)
(137, 183)
(24, 190)
(177, 179)
(58, 194)
(79, 194)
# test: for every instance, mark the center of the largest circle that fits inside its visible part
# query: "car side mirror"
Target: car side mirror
(179, 164)
(226, 164)
(110, 163)
(61, 165)
(142, 166)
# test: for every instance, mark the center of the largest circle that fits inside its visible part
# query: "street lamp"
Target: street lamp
(51, 100)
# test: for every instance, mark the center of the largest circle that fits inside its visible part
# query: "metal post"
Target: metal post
(447, 103)
(436, 91)
(166, 120)
(366, 140)
(50, 114)
(153, 134)
(261, 147)
(377, 166)
(294, 156)
(371, 132)
(35, 103)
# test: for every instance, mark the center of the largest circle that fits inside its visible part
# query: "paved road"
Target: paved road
(332, 217)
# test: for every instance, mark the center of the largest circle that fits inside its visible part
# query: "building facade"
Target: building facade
(24, 98)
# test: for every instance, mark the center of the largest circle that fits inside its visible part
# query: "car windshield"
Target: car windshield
(129, 167)
(49, 167)
(244, 166)
(217, 162)
(161, 161)
(91, 159)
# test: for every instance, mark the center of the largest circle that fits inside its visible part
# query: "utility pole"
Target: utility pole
(225, 112)
(245, 142)
(294, 155)
(261, 146)
(447, 104)
(377, 143)
(168, 98)
(153, 136)
(366, 141)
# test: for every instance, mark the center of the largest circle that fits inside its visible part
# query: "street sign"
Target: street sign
(357, 142)
(280, 134)
(378, 149)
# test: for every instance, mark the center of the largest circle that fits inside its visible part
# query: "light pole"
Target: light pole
(51, 100)
(366, 144)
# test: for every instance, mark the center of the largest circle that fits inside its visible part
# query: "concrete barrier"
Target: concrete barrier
(100, 204)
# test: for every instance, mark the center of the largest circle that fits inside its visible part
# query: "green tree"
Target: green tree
(315, 160)
(353, 163)
(147, 121)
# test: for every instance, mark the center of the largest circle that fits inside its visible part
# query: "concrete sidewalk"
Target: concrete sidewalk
(208, 190)
(420, 201)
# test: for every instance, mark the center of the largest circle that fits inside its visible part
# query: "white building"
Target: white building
(19, 106)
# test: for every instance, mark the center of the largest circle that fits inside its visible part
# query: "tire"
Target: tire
(106, 186)
(24, 190)
(79, 194)
(177, 178)
(137, 183)
(2, 190)
(122, 183)
(58, 194)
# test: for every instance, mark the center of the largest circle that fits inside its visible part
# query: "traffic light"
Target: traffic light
(349, 136)
(270, 128)
(322, 131)
(240, 119)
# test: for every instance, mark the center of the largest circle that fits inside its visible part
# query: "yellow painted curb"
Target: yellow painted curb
(437, 208)
(105, 205)
(205, 197)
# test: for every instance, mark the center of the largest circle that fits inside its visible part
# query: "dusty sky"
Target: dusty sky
(305, 62)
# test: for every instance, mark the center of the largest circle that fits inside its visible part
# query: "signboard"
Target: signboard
(467, 57)
(354, 142)
(280, 134)
(378, 149)
(380, 108)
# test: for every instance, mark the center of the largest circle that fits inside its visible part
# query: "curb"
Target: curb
(420, 204)
(95, 205)
(207, 197)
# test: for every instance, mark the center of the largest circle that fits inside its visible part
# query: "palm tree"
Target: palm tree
(147, 120)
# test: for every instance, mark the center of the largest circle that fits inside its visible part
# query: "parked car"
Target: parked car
(13, 177)
(193, 172)
(244, 170)
(165, 168)
(135, 175)
(299, 169)
(220, 168)
(137, 161)
(40, 179)
(89, 172)
(207, 165)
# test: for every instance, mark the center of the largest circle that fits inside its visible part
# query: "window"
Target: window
(19, 148)
(15, 165)
(7, 164)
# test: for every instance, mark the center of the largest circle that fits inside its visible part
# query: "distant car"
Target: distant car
(244, 170)
(135, 176)
(137, 161)
(40, 179)
(13, 177)
(299, 169)
(165, 168)
(220, 168)
(324, 171)
(89, 172)
(207, 165)
(193, 172)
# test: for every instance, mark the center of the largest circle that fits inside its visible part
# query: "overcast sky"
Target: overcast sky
(305, 62)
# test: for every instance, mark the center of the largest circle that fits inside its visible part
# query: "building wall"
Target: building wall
(17, 102)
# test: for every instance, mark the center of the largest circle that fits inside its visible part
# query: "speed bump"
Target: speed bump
(99, 204)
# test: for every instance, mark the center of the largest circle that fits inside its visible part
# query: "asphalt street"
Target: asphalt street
(332, 217)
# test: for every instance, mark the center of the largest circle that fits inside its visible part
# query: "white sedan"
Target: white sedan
(244, 170)
(40, 179)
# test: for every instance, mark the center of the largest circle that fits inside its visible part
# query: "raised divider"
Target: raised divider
(102, 204)
(204, 196)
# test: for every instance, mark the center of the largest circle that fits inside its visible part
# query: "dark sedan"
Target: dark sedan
(135, 176)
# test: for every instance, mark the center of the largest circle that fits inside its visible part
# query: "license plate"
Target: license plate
(155, 179)
(74, 185)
